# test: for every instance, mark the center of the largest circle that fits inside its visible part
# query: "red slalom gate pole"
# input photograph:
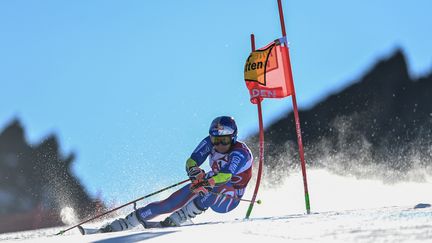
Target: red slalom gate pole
(296, 116)
(261, 145)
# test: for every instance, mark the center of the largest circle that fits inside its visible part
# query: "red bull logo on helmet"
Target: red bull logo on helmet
(219, 127)
(223, 130)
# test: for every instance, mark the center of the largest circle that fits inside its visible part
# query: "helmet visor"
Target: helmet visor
(224, 140)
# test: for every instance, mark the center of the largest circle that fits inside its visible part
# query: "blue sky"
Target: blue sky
(132, 86)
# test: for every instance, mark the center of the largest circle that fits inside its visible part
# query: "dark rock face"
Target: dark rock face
(36, 183)
(381, 122)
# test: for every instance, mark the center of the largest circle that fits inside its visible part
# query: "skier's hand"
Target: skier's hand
(195, 173)
(202, 186)
(201, 190)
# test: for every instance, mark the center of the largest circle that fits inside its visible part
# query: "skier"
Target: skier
(231, 169)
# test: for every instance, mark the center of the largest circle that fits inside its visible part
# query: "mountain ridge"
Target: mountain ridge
(383, 118)
(36, 182)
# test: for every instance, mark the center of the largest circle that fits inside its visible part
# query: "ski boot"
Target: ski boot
(187, 212)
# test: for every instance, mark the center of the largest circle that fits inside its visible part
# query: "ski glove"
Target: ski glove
(195, 173)
(202, 186)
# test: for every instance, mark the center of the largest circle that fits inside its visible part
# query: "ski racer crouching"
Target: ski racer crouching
(231, 169)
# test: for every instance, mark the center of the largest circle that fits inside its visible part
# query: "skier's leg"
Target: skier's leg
(173, 202)
(195, 207)
(221, 204)
(188, 211)
(138, 217)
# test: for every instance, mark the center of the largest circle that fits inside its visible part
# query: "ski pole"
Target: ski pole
(124, 205)
(236, 198)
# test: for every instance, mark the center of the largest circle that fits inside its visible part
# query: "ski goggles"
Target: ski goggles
(224, 140)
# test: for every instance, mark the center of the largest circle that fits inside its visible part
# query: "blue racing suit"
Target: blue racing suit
(231, 172)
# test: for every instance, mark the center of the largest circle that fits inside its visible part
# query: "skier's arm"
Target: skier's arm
(237, 160)
(221, 178)
(199, 155)
(190, 163)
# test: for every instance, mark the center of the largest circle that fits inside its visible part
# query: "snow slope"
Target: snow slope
(344, 210)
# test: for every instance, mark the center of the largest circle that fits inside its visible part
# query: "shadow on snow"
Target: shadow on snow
(134, 237)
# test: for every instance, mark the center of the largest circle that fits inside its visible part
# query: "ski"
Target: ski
(88, 231)
(147, 225)
(153, 225)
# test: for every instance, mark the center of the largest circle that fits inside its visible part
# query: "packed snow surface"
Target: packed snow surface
(344, 209)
